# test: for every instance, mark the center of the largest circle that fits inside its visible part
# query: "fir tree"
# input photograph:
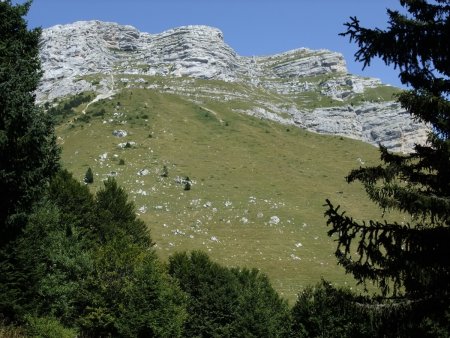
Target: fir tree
(89, 176)
(28, 151)
(408, 261)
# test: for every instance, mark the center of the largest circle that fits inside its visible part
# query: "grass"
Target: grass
(258, 187)
(378, 94)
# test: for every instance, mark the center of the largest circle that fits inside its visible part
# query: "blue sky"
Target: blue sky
(251, 27)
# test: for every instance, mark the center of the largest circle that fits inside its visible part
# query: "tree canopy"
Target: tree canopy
(28, 151)
(407, 260)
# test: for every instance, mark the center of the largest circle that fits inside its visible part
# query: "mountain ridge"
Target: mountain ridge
(302, 87)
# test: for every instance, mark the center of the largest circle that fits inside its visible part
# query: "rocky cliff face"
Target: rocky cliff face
(310, 89)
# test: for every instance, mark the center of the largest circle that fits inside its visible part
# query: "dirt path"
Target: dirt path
(103, 96)
(213, 112)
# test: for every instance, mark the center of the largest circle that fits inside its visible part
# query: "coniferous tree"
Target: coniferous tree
(409, 261)
(28, 151)
(116, 216)
(89, 176)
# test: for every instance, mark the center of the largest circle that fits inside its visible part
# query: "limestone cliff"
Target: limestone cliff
(307, 88)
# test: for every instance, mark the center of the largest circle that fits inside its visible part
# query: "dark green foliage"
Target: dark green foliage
(75, 202)
(129, 294)
(409, 260)
(187, 183)
(100, 113)
(89, 176)
(261, 312)
(28, 152)
(121, 161)
(76, 100)
(226, 302)
(115, 216)
(325, 311)
(84, 118)
(47, 327)
(213, 294)
(165, 171)
(65, 109)
(44, 269)
(89, 263)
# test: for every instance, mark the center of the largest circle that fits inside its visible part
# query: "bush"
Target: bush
(187, 183)
(47, 327)
(165, 171)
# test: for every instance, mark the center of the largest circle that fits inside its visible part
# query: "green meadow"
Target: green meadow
(258, 187)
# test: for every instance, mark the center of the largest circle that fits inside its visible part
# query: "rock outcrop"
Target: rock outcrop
(88, 55)
(69, 52)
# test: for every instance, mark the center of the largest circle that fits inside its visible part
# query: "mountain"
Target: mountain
(153, 109)
(310, 89)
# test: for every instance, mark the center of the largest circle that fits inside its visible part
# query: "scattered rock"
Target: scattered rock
(295, 258)
(103, 157)
(141, 192)
(178, 232)
(129, 144)
(274, 220)
(143, 209)
(143, 172)
(120, 133)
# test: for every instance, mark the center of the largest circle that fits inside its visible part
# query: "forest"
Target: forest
(74, 263)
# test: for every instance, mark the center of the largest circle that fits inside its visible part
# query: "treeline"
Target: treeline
(84, 265)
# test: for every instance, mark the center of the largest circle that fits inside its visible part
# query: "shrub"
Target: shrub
(187, 183)
(165, 171)
(47, 327)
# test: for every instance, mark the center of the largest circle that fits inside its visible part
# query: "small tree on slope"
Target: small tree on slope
(407, 261)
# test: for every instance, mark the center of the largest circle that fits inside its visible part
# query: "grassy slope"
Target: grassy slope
(245, 171)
